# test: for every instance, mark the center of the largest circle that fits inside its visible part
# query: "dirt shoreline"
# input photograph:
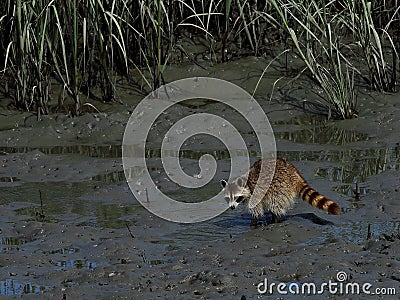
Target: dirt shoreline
(83, 248)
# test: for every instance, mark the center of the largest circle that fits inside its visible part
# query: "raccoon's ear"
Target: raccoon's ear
(223, 183)
(239, 182)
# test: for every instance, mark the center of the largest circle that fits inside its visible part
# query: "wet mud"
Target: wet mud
(70, 225)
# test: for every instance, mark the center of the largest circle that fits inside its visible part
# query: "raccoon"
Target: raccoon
(278, 196)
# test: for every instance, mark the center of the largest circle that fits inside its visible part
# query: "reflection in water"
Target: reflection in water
(322, 135)
(8, 244)
(108, 215)
(112, 177)
(9, 179)
(349, 166)
(76, 264)
(62, 199)
(101, 151)
(58, 198)
(355, 232)
(10, 287)
(155, 262)
(315, 130)
(34, 212)
(63, 251)
(349, 189)
(355, 165)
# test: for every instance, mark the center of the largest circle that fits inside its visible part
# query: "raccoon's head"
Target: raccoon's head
(235, 192)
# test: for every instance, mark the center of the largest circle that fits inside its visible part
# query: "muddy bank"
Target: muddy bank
(77, 240)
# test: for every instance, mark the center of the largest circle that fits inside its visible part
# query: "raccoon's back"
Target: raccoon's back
(280, 186)
(284, 178)
(277, 188)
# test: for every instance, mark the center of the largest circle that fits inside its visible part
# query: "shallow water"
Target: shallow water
(101, 151)
(346, 168)
(75, 264)
(334, 157)
(10, 244)
(355, 232)
(11, 287)
(354, 165)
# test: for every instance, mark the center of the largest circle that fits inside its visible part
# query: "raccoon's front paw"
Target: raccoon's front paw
(276, 218)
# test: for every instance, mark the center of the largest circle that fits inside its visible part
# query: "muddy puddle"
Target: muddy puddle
(10, 287)
(8, 244)
(348, 170)
(315, 130)
(75, 264)
(106, 151)
(356, 232)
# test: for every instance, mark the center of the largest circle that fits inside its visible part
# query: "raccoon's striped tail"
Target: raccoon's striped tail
(308, 194)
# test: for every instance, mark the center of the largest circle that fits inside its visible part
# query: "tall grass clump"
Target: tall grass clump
(25, 58)
(376, 45)
(330, 37)
(156, 27)
(72, 41)
(315, 39)
(86, 46)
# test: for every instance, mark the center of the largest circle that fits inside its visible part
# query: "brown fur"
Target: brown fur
(285, 184)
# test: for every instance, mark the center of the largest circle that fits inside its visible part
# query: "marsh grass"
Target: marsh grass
(372, 41)
(319, 31)
(87, 45)
(72, 41)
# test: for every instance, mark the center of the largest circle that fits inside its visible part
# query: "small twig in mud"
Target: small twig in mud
(130, 232)
(40, 215)
(41, 202)
(143, 255)
(369, 232)
(357, 192)
(91, 105)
